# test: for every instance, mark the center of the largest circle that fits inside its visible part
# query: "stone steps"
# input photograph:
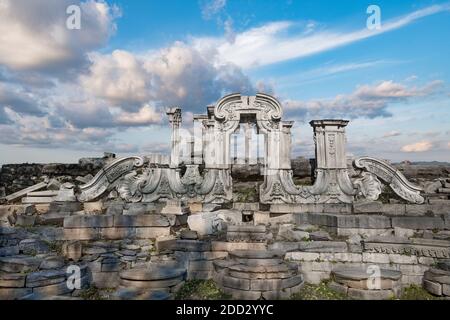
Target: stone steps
(367, 283)
(257, 274)
(155, 282)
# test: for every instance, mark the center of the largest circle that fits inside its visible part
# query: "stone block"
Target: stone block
(25, 221)
(418, 222)
(359, 294)
(14, 293)
(93, 207)
(393, 209)
(367, 207)
(18, 264)
(341, 257)
(81, 234)
(45, 278)
(89, 222)
(152, 232)
(236, 283)
(418, 209)
(339, 288)
(315, 277)
(12, 280)
(149, 220)
(242, 294)
(72, 250)
(402, 259)
(105, 280)
(9, 251)
(33, 247)
(201, 266)
(53, 289)
(232, 246)
(117, 233)
(302, 256)
(433, 287)
(375, 257)
(446, 289)
(199, 275)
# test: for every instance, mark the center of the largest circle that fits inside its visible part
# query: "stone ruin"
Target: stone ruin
(144, 225)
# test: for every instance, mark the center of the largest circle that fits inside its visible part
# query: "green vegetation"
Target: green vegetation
(91, 293)
(248, 194)
(318, 292)
(201, 290)
(414, 292)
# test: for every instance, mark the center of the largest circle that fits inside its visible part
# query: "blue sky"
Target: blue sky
(65, 94)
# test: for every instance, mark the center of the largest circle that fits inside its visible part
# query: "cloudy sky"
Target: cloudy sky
(66, 94)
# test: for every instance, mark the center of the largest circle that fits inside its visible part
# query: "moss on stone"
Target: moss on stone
(318, 292)
(201, 290)
(414, 292)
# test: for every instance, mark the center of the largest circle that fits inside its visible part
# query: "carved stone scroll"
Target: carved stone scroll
(393, 177)
(105, 178)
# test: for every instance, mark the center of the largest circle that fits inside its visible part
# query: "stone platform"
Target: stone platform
(367, 283)
(257, 274)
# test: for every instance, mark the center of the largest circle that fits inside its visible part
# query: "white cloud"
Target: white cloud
(393, 133)
(145, 116)
(177, 75)
(368, 101)
(212, 7)
(272, 43)
(42, 41)
(421, 146)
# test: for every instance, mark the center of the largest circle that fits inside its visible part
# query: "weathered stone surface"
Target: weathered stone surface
(25, 221)
(72, 250)
(14, 293)
(201, 266)
(232, 246)
(81, 234)
(54, 262)
(152, 232)
(17, 264)
(89, 221)
(12, 280)
(350, 221)
(418, 222)
(437, 275)
(152, 273)
(188, 235)
(313, 246)
(45, 278)
(446, 289)
(367, 207)
(370, 294)
(444, 264)
(9, 251)
(320, 236)
(256, 254)
(236, 283)
(105, 280)
(33, 246)
(154, 284)
(433, 287)
(53, 289)
(242, 294)
(288, 233)
(149, 220)
(362, 274)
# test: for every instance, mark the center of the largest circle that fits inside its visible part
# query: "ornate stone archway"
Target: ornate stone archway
(149, 179)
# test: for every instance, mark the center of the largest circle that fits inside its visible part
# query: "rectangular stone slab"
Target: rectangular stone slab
(88, 221)
(22, 193)
(150, 220)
